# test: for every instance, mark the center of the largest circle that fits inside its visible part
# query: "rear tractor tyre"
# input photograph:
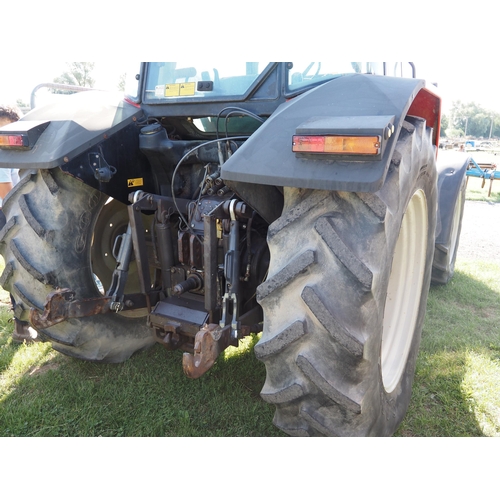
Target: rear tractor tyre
(47, 244)
(345, 299)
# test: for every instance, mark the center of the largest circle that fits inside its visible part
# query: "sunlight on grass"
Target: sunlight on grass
(485, 274)
(245, 345)
(480, 388)
(477, 192)
(24, 361)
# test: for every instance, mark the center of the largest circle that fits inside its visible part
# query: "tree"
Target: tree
(444, 125)
(473, 120)
(78, 74)
(22, 105)
(122, 82)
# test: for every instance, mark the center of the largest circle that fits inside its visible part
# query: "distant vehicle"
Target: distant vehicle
(478, 145)
(445, 144)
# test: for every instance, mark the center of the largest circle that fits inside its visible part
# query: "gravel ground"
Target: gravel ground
(480, 236)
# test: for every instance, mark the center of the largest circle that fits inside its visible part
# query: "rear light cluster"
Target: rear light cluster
(21, 135)
(352, 138)
(342, 145)
(13, 141)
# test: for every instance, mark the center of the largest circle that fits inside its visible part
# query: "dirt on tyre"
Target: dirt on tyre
(345, 298)
(46, 244)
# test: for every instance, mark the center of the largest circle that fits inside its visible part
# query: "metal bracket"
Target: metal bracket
(61, 305)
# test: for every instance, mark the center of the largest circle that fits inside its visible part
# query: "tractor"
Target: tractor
(301, 201)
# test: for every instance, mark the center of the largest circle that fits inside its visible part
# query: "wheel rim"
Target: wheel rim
(404, 291)
(112, 221)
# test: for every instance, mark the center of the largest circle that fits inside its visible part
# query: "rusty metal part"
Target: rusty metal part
(61, 305)
(173, 341)
(209, 342)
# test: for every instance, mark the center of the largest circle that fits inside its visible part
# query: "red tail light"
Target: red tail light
(22, 134)
(13, 141)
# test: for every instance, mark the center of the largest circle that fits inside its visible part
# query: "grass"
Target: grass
(455, 393)
(43, 393)
(476, 191)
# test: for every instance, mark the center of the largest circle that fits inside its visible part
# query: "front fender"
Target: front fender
(267, 157)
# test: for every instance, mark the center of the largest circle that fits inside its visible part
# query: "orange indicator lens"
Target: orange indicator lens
(336, 144)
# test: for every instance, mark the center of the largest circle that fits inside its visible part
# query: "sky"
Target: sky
(466, 81)
(472, 81)
(18, 79)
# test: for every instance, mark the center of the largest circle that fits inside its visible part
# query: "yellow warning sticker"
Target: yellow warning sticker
(172, 89)
(179, 89)
(135, 182)
(187, 88)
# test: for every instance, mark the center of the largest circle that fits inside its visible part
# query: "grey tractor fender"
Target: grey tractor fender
(352, 104)
(65, 128)
(452, 170)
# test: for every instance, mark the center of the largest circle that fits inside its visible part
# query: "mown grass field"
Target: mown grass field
(43, 393)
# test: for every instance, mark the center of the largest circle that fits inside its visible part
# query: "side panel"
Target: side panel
(267, 157)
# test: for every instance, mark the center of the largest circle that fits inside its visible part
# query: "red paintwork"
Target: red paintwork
(427, 105)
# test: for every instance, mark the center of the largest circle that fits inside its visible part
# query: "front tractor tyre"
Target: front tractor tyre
(47, 243)
(345, 298)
